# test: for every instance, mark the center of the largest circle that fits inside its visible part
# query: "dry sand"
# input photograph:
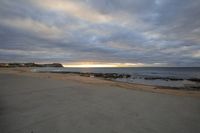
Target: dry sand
(67, 103)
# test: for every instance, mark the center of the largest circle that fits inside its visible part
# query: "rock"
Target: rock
(163, 78)
(106, 75)
(194, 79)
(29, 65)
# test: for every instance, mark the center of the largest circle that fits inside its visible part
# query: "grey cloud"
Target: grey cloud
(167, 32)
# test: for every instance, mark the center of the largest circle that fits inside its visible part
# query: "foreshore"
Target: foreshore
(92, 80)
(49, 102)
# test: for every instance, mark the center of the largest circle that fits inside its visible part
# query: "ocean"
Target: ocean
(184, 77)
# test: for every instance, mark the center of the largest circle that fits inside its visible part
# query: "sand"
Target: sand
(40, 103)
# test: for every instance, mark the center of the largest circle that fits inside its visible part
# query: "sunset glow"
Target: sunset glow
(89, 65)
(93, 64)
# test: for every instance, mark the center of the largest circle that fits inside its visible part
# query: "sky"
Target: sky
(101, 32)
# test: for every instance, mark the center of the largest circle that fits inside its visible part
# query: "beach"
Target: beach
(50, 102)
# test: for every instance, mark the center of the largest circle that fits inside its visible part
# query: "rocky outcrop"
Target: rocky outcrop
(29, 65)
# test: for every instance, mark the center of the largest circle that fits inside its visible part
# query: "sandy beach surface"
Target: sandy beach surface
(68, 103)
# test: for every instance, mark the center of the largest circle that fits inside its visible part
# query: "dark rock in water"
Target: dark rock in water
(128, 76)
(29, 65)
(196, 88)
(163, 78)
(194, 79)
(106, 75)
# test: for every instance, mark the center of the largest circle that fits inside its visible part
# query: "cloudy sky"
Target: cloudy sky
(129, 32)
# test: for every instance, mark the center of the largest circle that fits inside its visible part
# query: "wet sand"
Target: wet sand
(38, 103)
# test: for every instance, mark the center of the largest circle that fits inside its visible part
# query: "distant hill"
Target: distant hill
(30, 65)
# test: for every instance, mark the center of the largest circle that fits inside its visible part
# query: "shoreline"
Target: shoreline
(174, 81)
(95, 80)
